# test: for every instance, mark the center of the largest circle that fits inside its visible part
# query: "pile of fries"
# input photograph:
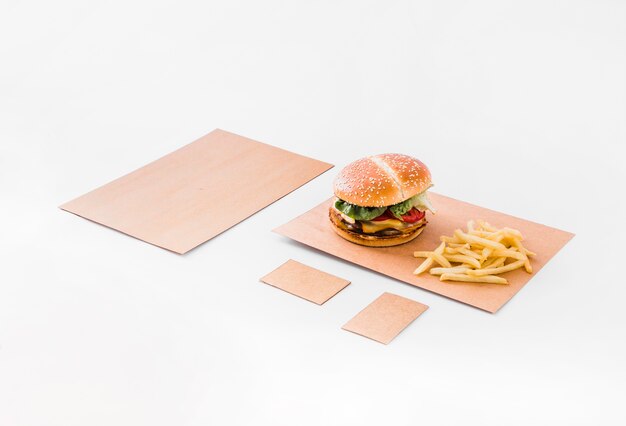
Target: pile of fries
(478, 255)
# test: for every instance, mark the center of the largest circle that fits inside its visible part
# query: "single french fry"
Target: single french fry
(527, 265)
(486, 252)
(499, 262)
(478, 240)
(494, 262)
(441, 260)
(457, 245)
(492, 279)
(469, 253)
(428, 262)
(422, 253)
(520, 247)
(496, 236)
(498, 270)
(507, 240)
(461, 258)
(514, 254)
(425, 265)
(450, 240)
(488, 262)
(514, 232)
(482, 234)
(462, 250)
(453, 270)
(470, 226)
(484, 225)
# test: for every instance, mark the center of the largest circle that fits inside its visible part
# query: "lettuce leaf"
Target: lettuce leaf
(422, 203)
(419, 201)
(358, 212)
(401, 208)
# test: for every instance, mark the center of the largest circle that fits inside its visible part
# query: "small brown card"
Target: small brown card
(384, 318)
(306, 282)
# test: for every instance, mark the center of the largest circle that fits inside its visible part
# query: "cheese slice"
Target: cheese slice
(371, 226)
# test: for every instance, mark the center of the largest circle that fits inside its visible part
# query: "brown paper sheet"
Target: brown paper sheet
(313, 229)
(384, 318)
(306, 282)
(198, 191)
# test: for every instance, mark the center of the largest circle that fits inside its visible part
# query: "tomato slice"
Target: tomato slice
(413, 216)
(386, 215)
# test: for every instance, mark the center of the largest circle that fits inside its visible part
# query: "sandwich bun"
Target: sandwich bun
(381, 180)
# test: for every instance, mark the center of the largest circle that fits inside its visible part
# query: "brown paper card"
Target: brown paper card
(193, 194)
(384, 318)
(313, 229)
(306, 282)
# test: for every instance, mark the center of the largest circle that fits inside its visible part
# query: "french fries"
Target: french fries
(478, 255)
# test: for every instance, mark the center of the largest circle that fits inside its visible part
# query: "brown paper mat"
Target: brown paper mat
(313, 229)
(384, 318)
(195, 193)
(305, 282)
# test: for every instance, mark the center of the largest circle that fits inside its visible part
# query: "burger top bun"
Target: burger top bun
(381, 180)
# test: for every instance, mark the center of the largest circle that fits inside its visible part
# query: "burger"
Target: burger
(381, 200)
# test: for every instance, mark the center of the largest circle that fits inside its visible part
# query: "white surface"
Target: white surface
(97, 328)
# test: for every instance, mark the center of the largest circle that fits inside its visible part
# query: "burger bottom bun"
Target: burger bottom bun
(377, 241)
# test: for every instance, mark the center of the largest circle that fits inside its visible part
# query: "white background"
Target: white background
(516, 106)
